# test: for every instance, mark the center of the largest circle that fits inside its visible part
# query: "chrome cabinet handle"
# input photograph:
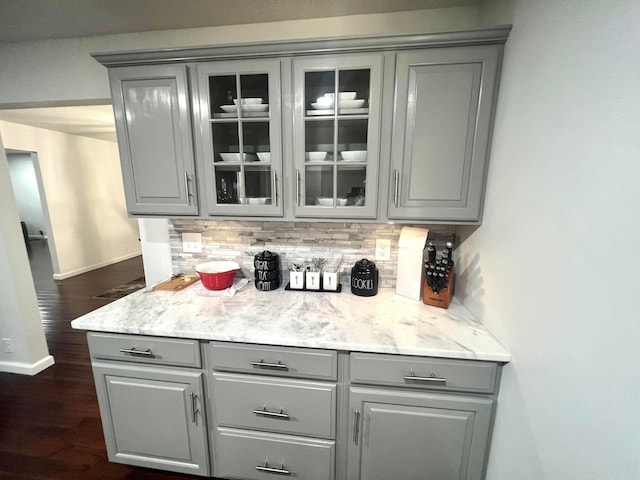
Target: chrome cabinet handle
(298, 187)
(194, 406)
(186, 187)
(240, 186)
(275, 188)
(356, 426)
(396, 187)
(268, 469)
(266, 413)
(431, 379)
(141, 353)
(263, 364)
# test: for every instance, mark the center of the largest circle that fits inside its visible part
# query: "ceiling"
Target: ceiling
(29, 20)
(23, 20)
(95, 121)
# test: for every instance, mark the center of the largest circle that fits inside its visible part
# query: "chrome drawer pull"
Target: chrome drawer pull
(186, 187)
(194, 407)
(266, 413)
(395, 187)
(268, 469)
(133, 351)
(263, 364)
(275, 189)
(356, 426)
(432, 378)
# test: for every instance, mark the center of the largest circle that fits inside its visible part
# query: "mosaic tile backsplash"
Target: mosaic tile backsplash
(294, 242)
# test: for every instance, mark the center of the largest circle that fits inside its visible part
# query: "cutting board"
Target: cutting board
(177, 283)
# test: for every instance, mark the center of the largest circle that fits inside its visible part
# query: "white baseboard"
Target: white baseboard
(73, 273)
(26, 368)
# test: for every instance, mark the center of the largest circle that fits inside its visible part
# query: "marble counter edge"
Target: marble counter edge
(92, 322)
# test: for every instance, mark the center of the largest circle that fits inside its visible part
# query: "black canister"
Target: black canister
(267, 271)
(364, 278)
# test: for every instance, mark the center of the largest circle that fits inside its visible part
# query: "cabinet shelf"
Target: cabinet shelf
(245, 116)
(342, 111)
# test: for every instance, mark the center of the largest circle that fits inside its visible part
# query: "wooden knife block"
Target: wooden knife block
(441, 299)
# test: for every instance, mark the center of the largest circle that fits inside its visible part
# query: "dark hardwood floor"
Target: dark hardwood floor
(49, 423)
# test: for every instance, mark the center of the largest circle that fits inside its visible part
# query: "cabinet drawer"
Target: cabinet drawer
(275, 404)
(429, 373)
(141, 349)
(280, 361)
(239, 452)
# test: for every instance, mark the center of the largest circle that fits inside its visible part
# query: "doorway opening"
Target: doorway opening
(28, 190)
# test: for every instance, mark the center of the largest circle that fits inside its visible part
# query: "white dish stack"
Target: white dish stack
(348, 104)
(250, 107)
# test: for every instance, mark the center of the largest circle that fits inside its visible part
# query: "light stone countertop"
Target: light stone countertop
(385, 323)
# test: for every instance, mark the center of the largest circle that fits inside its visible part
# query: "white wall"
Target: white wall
(25, 187)
(156, 250)
(83, 187)
(63, 71)
(19, 315)
(553, 271)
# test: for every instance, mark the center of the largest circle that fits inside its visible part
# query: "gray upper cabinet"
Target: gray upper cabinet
(151, 105)
(239, 137)
(417, 435)
(336, 136)
(442, 126)
(365, 128)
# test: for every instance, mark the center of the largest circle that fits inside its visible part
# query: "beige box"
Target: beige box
(411, 247)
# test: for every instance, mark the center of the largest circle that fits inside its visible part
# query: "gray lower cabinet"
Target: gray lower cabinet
(406, 434)
(415, 417)
(153, 417)
(245, 454)
(442, 129)
(264, 411)
(272, 420)
(153, 123)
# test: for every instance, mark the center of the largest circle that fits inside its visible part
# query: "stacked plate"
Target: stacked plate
(248, 106)
(347, 104)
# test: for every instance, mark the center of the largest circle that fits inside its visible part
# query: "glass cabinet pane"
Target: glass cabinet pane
(351, 185)
(255, 140)
(352, 140)
(319, 141)
(353, 92)
(258, 185)
(226, 142)
(240, 135)
(319, 91)
(331, 185)
(242, 143)
(222, 91)
(336, 134)
(319, 185)
(227, 179)
(254, 95)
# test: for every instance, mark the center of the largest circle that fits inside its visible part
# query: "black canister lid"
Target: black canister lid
(365, 266)
(266, 255)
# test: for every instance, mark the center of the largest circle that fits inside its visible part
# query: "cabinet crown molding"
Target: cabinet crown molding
(483, 36)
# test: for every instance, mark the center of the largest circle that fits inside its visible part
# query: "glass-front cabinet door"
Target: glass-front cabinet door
(336, 135)
(241, 138)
